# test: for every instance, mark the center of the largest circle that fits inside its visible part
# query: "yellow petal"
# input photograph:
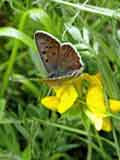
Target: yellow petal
(98, 123)
(51, 102)
(103, 124)
(114, 105)
(94, 80)
(96, 120)
(107, 126)
(95, 101)
(67, 96)
(60, 90)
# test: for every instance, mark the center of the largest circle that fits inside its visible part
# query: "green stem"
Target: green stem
(89, 153)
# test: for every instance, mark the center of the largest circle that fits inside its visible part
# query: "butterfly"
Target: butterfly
(61, 60)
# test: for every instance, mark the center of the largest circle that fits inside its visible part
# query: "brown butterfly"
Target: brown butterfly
(61, 61)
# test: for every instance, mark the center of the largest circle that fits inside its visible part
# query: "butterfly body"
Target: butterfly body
(61, 61)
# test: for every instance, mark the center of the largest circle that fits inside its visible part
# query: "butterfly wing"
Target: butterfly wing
(48, 47)
(71, 65)
(70, 60)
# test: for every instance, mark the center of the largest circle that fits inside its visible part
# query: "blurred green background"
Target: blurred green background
(28, 131)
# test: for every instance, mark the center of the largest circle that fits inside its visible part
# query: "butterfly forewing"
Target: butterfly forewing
(48, 48)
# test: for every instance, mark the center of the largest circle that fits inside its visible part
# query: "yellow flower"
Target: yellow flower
(95, 101)
(100, 123)
(64, 99)
(66, 95)
(97, 109)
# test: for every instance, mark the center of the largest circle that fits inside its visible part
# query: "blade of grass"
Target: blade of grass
(91, 9)
(14, 33)
(56, 125)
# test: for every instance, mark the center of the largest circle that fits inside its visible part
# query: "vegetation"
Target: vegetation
(28, 130)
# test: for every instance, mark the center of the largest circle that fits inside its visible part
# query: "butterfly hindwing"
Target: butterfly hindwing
(69, 58)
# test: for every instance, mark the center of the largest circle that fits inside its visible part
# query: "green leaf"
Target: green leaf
(75, 33)
(14, 33)
(42, 16)
(26, 155)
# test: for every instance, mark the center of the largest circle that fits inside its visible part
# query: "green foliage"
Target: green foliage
(28, 131)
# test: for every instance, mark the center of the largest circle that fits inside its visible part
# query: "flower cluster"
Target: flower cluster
(96, 110)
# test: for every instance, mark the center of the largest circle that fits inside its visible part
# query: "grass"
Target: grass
(26, 127)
